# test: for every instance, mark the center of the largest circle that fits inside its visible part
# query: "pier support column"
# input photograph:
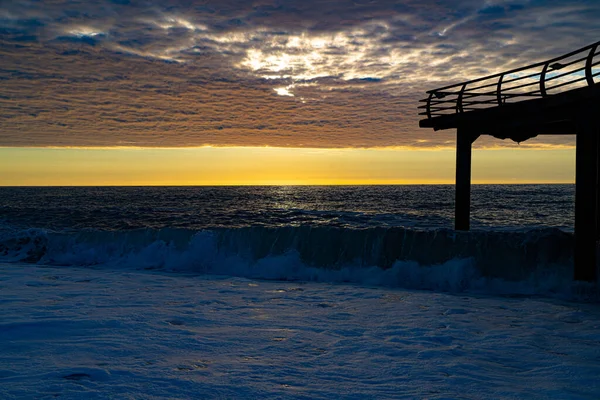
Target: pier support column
(462, 215)
(586, 201)
(598, 186)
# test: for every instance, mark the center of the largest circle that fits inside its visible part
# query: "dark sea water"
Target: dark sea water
(521, 233)
(494, 207)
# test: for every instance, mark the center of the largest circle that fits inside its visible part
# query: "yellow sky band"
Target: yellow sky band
(276, 166)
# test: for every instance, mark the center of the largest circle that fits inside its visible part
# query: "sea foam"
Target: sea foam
(533, 262)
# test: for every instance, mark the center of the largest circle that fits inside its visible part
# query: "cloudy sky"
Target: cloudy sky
(279, 73)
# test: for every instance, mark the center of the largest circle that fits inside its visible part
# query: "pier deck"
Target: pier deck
(553, 97)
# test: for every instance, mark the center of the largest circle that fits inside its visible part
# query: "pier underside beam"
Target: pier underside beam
(586, 199)
(462, 216)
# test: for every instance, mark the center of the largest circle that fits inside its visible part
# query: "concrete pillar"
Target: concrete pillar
(586, 200)
(462, 216)
(598, 186)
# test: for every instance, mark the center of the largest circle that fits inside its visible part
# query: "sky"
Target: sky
(264, 91)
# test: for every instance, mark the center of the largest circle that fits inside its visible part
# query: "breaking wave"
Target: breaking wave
(532, 262)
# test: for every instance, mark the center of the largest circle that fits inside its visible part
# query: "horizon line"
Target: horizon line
(291, 184)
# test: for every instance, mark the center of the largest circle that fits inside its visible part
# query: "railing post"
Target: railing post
(543, 80)
(499, 90)
(429, 105)
(459, 101)
(588, 66)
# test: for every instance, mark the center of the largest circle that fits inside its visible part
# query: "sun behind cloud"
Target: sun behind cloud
(300, 74)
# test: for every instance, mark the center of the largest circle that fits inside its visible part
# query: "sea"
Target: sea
(296, 292)
(521, 239)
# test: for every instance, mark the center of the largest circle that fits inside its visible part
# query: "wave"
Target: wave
(533, 262)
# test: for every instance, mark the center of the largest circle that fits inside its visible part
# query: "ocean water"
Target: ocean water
(293, 293)
(495, 207)
(390, 235)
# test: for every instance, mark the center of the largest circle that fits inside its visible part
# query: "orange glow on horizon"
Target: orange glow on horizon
(217, 166)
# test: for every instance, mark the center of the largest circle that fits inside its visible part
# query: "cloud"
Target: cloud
(308, 73)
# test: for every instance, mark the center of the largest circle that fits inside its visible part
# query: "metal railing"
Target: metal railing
(570, 71)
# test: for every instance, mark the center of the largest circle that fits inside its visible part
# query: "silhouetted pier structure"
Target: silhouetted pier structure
(554, 97)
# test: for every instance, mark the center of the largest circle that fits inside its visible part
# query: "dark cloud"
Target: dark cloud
(312, 73)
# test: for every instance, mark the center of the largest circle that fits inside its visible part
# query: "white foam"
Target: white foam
(119, 333)
(312, 255)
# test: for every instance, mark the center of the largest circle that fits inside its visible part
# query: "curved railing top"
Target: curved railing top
(569, 71)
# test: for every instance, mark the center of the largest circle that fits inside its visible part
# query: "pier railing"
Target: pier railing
(570, 71)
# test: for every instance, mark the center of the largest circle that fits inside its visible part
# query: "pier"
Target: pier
(553, 97)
